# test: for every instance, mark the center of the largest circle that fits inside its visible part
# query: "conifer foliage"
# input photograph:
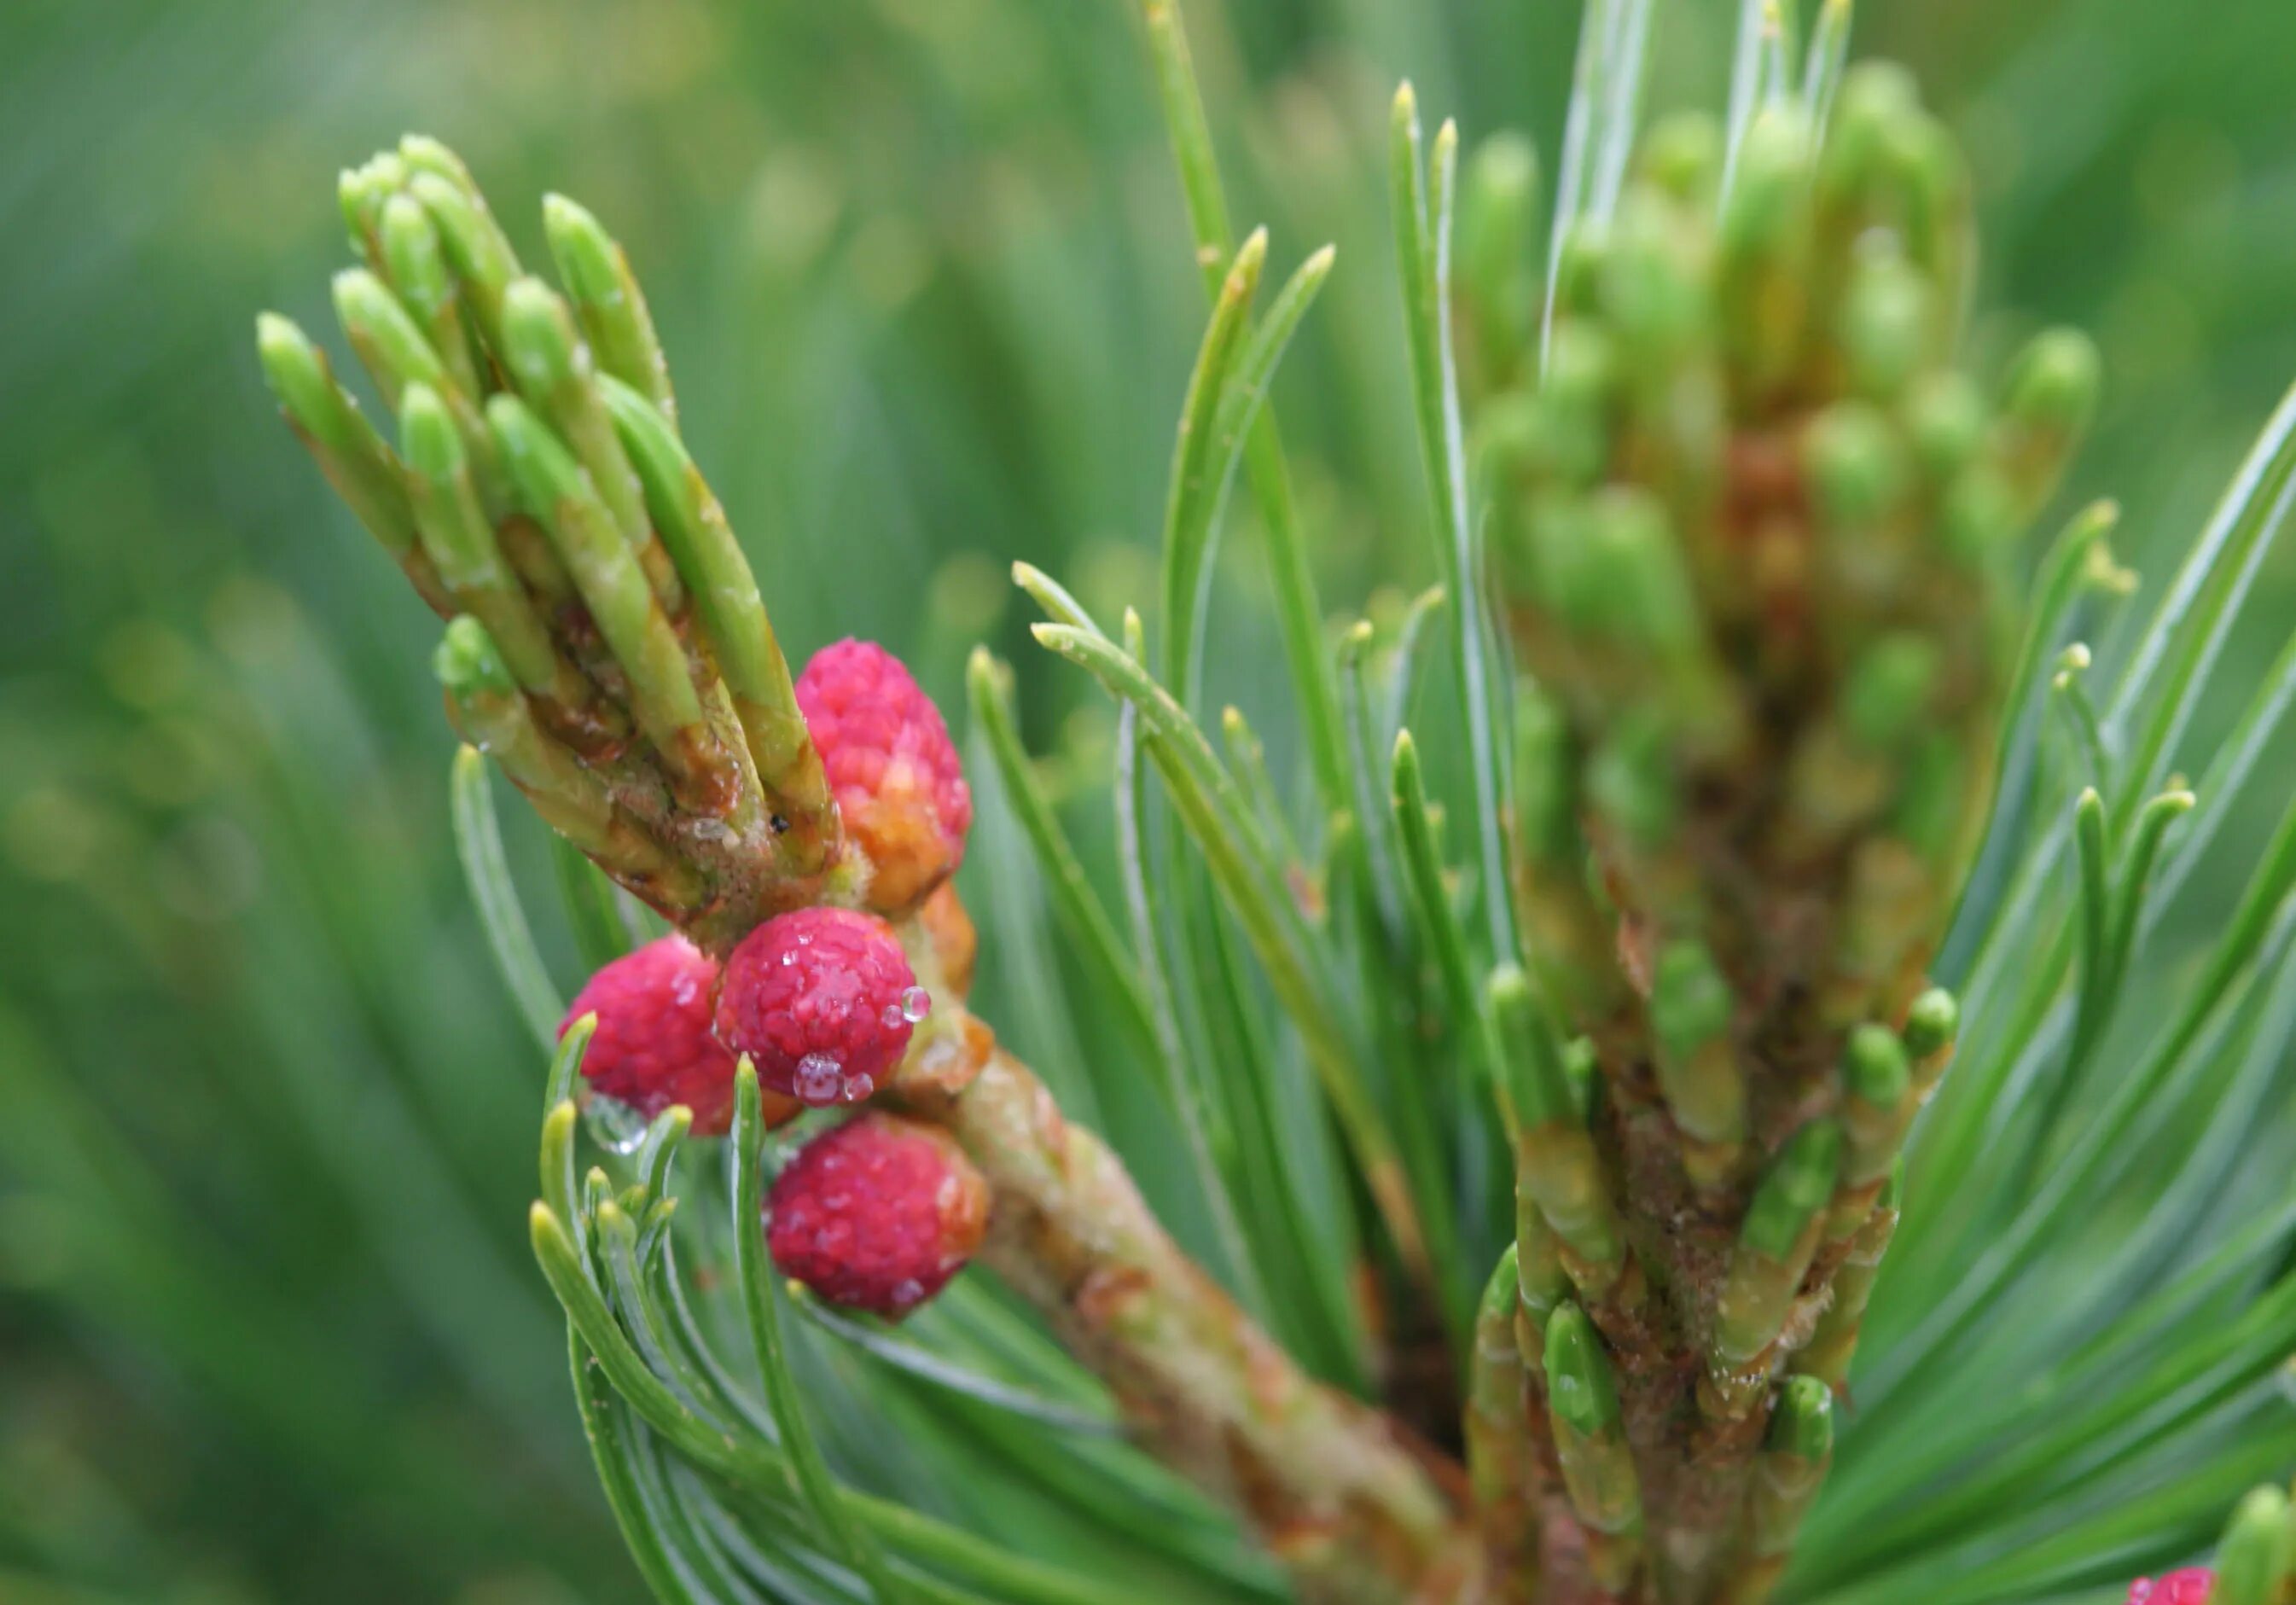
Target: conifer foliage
(1587, 1190)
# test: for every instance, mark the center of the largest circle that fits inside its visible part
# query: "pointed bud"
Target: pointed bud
(1946, 417)
(1879, 100)
(2051, 396)
(1888, 324)
(1534, 1081)
(416, 265)
(1834, 1342)
(362, 191)
(1541, 1284)
(1681, 156)
(1581, 1393)
(1558, 1170)
(466, 661)
(346, 446)
(1774, 1247)
(1764, 302)
(1931, 1023)
(1545, 808)
(1575, 400)
(385, 335)
(473, 241)
(1880, 1105)
(461, 544)
(1798, 1185)
(1886, 697)
(1792, 1466)
(1857, 469)
(608, 299)
(1498, 206)
(1766, 211)
(1630, 780)
(1654, 290)
(561, 498)
(1690, 1006)
(1496, 1442)
(1629, 582)
(2254, 1560)
(553, 370)
(1598, 1470)
(1578, 271)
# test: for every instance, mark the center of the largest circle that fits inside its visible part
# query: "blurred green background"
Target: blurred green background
(268, 1329)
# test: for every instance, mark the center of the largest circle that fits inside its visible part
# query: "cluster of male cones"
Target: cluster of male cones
(1752, 526)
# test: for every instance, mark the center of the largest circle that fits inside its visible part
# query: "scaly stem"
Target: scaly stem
(1328, 1484)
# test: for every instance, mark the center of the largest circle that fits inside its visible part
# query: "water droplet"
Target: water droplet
(613, 1124)
(907, 1291)
(916, 1003)
(858, 1088)
(819, 1081)
(891, 1014)
(789, 958)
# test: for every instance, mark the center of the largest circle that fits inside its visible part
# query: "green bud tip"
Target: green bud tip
(466, 661)
(587, 256)
(1886, 323)
(293, 369)
(1873, 1066)
(1946, 417)
(1769, 188)
(1803, 1423)
(1504, 171)
(1581, 1060)
(362, 189)
(514, 425)
(2255, 1555)
(427, 436)
(1631, 779)
(1690, 1002)
(1406, 757)
(407, 231)
(423, 154)
(1889, 688)
(1682, 154)
(1505, 1289)
(361, 300)
(1854, 464)
(1631, 581)
(536, 333)
(1578, 1387)
(1931, 1023)
(1797, 1186)
(2055, 380)
(1882, 90)
(1508, 991)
